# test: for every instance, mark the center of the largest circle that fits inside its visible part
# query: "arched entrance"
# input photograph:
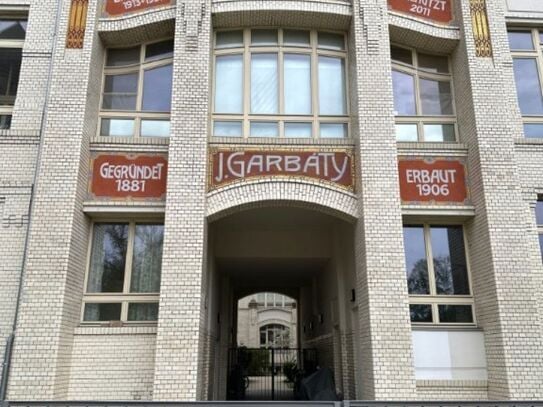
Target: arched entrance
(303, 255)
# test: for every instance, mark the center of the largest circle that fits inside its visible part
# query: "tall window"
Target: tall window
(527, 54)
(437, 275)
(137, 91)
(12, 35)
(123, 279)
(423, 97)
(280, 83)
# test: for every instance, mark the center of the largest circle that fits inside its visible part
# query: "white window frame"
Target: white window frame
(419, 119)
(137, 115)
(7, 110)
(125, 297)
(537, 54)
(433, 298)
(280, 49)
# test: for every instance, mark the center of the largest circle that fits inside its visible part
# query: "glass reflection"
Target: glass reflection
(404, 94)
(449, 260)
(415, 260)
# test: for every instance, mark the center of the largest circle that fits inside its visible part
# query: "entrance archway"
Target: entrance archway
(292, 252)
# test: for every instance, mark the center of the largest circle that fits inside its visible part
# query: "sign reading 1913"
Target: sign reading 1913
(331, 166)
(118, 7)
(436, 10)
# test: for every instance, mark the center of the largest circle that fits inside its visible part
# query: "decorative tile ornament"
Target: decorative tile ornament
(481, 33)
(77, 24)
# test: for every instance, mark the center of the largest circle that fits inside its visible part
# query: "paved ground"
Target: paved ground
(260, 388)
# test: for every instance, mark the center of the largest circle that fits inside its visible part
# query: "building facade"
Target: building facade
(377, 161)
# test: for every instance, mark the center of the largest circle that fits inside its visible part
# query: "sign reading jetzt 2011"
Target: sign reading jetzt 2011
(229, 165)
(433, 180)
(118, 7)
(129, 176)
(436, 10)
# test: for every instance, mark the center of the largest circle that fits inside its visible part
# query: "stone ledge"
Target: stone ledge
(480, 384)
(107, 330)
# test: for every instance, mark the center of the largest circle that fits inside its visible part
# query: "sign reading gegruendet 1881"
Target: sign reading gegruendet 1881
(433, 180)
(331, 166)
(118, 7)
(435, 10)
(128, 176)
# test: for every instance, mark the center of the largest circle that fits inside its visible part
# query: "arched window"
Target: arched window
(274, 336)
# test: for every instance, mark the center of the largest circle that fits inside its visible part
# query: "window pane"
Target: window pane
(102, 312)
(120, 92)
(449, 259)
(298, 130)
(117, 127)
(229, 84)
(108, 258)
(404, 94)
(331, 41)
(297, 84)
(159, 50)
(539, 212)
(541, 245)
(12, 29)
(333, 130)
(520, 40)
(415, 260)
(227, 129)
(143, 311)
(155, 128)
(455, 314)
(296, 38)
(420, 312)
(229, 39)
(5, 122)
(435, 97)
(147, 259)
(433, 63)
(533, 130)
(157, 89)
(406, 132)
(264, 84)
(401, 55)
(123, 57)
(528, 86)
(332, 97)
(264, 129)
(10, 67)
(439, 132)
(264, 37)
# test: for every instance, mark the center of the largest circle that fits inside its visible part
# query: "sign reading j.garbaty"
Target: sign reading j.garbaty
(334, 167)
(436, 10)
(134, 176)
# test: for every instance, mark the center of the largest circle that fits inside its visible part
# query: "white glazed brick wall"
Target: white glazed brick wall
(112, 364)
(50, 362)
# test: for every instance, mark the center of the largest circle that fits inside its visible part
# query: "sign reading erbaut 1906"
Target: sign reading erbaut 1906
(331, 166)
(129, 176)
(433, 180)
(118, 7)
(436, 10)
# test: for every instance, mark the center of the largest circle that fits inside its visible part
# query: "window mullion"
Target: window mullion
(129, 257)
(429, 260)
(281, 84)
(314, 83)
(246, 82)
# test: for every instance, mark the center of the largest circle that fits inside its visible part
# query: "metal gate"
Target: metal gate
(268, 373)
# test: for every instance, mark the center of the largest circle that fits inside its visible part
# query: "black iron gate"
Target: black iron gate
(268, 373)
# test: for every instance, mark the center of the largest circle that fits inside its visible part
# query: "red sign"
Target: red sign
(436, 10)
(335, 166)
(440, 180)
(129, 176)
(117, 7)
